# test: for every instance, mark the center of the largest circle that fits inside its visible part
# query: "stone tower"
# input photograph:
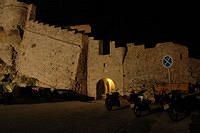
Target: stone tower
(13, 17)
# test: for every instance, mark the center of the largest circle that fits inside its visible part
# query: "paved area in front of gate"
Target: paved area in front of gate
(83, 117)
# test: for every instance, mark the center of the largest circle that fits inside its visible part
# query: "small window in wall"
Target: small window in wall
(104, 47)
(1, 28)
(101, 47)
(181, 57)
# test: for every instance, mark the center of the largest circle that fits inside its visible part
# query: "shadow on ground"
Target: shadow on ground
(121, 108)
(58, 96)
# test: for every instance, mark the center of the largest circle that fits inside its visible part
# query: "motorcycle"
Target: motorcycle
(165, 101)
(140, 104)
(181, 105)
(112, 99)
(7, 95)
(35, 92)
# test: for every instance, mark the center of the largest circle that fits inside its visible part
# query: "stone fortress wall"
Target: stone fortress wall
(46, 53)
(67, 59)
(144, 65)
(194, 70)
(49, 54)
(1, 7)
(104, 66)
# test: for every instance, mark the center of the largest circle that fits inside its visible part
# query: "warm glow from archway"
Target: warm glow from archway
(104, 86)
(109, 85)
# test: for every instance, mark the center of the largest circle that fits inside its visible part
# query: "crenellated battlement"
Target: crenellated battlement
(170, 44)
(21, 15)
(86, 28)
(54, 32)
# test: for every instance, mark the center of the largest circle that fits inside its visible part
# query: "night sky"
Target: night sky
(142, 23)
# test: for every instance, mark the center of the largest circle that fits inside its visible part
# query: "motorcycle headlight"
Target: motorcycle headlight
(9, 90)
(140, 97)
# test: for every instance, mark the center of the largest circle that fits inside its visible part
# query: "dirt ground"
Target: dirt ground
(83, 117)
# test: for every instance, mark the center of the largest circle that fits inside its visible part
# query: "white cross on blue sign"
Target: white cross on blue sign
(167, 61)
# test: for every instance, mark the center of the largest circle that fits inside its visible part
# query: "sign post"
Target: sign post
(167, 62)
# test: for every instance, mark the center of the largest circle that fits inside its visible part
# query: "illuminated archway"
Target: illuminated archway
(104, 86)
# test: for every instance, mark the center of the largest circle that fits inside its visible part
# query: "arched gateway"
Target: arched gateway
(105, 85)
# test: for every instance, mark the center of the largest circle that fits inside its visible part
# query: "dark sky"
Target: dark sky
(136, 22)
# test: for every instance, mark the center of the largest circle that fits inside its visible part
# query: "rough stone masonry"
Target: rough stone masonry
(33, 53)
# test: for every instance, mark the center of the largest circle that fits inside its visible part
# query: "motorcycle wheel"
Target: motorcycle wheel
(176, 115)
(173, 114)
(187, 113)
(108, 105)
(118, 103)
(137, 111)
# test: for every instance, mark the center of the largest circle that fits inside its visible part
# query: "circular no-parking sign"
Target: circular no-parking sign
(167, 61)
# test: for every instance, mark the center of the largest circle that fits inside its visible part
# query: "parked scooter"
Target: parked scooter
(139, 104)
(35, 91)
(112, 99)
(7, 94)
(181, 105)
(165, 101)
